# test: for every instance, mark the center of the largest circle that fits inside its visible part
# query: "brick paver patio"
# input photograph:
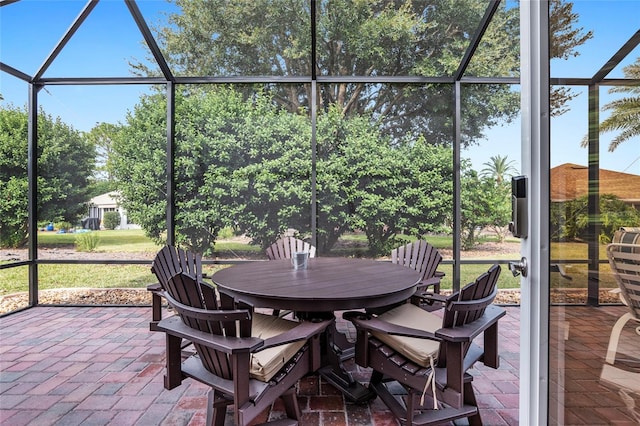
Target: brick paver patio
(101, 365)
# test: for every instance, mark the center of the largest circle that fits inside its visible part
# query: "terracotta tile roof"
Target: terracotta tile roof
(570, 181)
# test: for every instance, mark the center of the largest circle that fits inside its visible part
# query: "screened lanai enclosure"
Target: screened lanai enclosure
(356, 125)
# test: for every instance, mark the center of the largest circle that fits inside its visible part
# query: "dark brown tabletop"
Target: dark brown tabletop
(328, 284)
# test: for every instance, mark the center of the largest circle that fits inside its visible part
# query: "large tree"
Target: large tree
(253, 161)
(246, 163)
(355, 38)
(368, 38)
(101, 137)
(65, 162)
(239, 162)
(368, 182)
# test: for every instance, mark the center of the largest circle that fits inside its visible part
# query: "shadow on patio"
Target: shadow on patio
(101, 365)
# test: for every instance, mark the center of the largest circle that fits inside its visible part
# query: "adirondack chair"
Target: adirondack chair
(169, 261)
(429, 355)
(248, 359)
(624, 260)
(284, 248)
(424, 258)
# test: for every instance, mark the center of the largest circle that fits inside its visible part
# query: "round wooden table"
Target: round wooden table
(328, 284)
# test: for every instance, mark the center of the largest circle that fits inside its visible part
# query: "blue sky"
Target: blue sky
(103, 49)
(613, 23)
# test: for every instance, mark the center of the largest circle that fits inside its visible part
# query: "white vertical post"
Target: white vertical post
(534, 310)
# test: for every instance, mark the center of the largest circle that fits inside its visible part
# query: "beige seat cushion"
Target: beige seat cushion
(265, 364)
(420, 351)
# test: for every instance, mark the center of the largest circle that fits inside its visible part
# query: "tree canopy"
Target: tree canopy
(565, 38)
(65, 164)
(381, 38)
(498, 168)
(625, 112)
(382, 160)
(245, 163)
(378, 38)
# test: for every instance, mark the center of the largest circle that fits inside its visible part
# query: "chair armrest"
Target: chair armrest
(620, 295)
(154, 287)
(304, 331)
(433, 297)
(427, 282)
(175, 327)
(368, 323)
(208, 314)
(467, 333)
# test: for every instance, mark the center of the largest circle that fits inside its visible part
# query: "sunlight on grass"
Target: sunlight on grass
(129, 240)
(53, 276)
(77, 276)
(13, 280)
(468, 274)
(234, 246)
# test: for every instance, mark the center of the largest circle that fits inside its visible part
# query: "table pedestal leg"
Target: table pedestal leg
(334, 372)
(342, 346)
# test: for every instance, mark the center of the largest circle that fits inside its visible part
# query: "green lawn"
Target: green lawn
(132, 240)
(52, 276)
(77, 276)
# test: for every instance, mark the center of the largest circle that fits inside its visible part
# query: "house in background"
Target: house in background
(108, 202)
(571, 181)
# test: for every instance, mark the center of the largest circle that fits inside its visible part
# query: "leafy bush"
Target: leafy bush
(570, 220)
(248, 167)
(111, 220)
(87, 241)
(485, 202)
(65, 163)
(64, 226)
(226, 233)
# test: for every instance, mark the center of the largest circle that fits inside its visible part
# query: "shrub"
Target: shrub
(87, 241)
(63, 226)
(226, 233)
(111, 220)
(570, 220)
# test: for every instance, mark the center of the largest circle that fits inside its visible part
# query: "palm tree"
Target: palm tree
(498, 168)
(625, 112)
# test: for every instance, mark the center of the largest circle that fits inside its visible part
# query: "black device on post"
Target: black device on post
(519, 208)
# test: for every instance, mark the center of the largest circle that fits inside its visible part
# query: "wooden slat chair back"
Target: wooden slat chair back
(424, 258)
(429, 354)
(186, 293)
(624, 260)
(224, 334)
(469, 305)
(168, 262)
(284, 248)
